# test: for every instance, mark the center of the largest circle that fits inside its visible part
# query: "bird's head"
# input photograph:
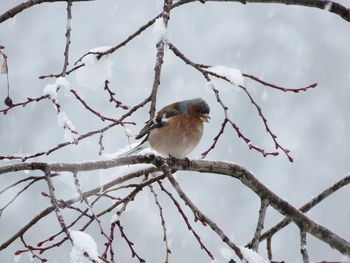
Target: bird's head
(197, 108)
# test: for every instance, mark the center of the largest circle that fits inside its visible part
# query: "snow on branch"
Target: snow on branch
(221, 168)
(83, 245)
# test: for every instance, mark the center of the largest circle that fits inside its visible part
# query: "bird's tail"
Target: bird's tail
(138, 148)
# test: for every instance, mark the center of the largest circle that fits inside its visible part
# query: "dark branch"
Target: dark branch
(326, 5)
(306, 207)
(159, 58)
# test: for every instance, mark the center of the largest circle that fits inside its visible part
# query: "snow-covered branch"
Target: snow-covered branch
(216, 167)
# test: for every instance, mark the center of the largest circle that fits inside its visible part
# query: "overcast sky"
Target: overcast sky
(287, 45)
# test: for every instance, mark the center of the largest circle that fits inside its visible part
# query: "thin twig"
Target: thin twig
(159, 58)
(34, 178)
(303, 249)
(78, 139)
(268, 130)
(165, 237)
(55, 203)
(109, 245)
(17, 195)
(84, 198)
(198, 214)
(24, 103)
(182, 213)
(260, 225)
(265, 83)
(269, 248)
(100, 143)
(68, 40)
(31, 250)
(103, 118)
(130, 243)
(112, 98)
(216, 139)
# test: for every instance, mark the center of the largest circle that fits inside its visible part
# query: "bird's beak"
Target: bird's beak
(205, 117)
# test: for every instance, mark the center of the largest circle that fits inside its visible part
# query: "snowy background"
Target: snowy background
(286, 45)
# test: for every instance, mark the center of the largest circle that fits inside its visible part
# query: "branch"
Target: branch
(202, 69)
(216, 167)
(305, 208)
(326, 5)
(22, 6)
(24, 103)
(269, 249)
(81, 137)
(165, 237)
(265, 83)
(103, 118)
(182, 213)
(34, 180)
(94, 191)
(130, 243)
(303, 249)
(112, 99)
(159, 58)
(260, 225)
(198, 214)
(55, 203)
(84, 198)
(268, 130)
(68, 41)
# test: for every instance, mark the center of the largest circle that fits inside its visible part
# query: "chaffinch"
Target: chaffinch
(176, 129)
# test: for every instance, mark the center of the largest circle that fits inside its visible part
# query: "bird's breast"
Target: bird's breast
(177, 138)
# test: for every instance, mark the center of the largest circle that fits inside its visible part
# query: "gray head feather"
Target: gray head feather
(198, 102)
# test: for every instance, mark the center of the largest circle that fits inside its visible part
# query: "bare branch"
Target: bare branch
(269, 248)
(81, 137)
(303, 249)
(55, 203)
(159, 58)
(130, 243)
(327, 5)
(222, 168)
(22, 6)
(260, 225)
(268, 130)
(24, 103)
(198, 214)
(165, 236)
(202, 68)
(84, 198)
(17, 194)
(265, 83)
(216, 138)
(100, 143)
(182, 213)
(306, 207)
(94, 191)
(103, 118)
(68, 41)
(112, 98)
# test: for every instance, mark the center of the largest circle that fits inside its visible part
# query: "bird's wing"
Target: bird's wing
(159, 121)
(138, 148)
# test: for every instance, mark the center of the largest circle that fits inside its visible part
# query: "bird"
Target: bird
(175, 130)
